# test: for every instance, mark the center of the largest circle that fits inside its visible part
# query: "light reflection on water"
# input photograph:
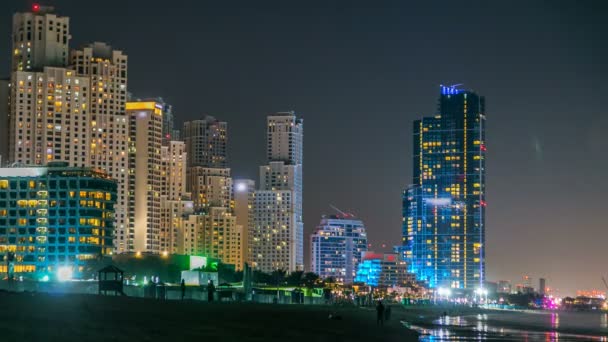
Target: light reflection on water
(476, 328)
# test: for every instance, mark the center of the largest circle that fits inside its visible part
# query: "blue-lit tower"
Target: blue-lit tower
(444, 207)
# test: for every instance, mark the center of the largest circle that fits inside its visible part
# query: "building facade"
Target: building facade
(384, 270)
(55, 217)
(40, 39)
(244, 190)
(145, 184)
(337, 246)
(49, 117)
(213, 234)
(106, 70)
(206, 142)
(444, 208)
(276, 234)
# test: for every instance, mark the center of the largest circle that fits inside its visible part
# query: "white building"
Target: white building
(106, 70)
(276, 234)
(49, 117)
(336, 247)
(145, 139)
(213, 234)
(244, 190)
(40, 39)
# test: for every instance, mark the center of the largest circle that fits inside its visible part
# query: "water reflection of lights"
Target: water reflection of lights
(604, 321)
(555, 320)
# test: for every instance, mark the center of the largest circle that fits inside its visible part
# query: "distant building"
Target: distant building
(383, 270)
(276, 236)
(63, 132)
(206, 142)
(243, 201)
(4, 130)
(444, 208)
(542, 286)
(40, 39)
(55, 218)
(337, 246)
(106, 70)
(214, 234)
(503, 286)
(175, 201)
(145, 129)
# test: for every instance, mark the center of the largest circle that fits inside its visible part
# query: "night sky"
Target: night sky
(361, 72)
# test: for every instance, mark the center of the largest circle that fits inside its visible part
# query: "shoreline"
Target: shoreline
(426, 317)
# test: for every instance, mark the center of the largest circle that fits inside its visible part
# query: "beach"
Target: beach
(71, 317)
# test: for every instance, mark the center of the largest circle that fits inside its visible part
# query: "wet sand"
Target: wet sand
(468, 322)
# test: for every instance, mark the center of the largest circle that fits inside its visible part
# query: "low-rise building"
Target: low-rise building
(54, 219)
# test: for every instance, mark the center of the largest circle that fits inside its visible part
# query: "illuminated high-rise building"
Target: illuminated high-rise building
(145, 184)
(244, 190)
(337, 246)
(4, 130)
(106, 70)
(276, 233)
(175, 202)
(49, 117)
(444, 208)
(213, 233)
(206, 142)
(40, 39)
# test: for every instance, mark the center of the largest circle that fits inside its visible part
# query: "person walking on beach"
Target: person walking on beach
(380, 314)
(210, 291)
(183, 288)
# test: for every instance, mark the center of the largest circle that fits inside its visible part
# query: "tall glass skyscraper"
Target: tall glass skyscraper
(444, 208)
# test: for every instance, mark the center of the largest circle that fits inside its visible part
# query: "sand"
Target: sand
(44, 317)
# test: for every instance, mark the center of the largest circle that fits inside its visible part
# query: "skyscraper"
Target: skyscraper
(175, 202)
(40, 39)
(208, 177)
(276, 235)
(106, 70)
(145, 185)
(337, 246)
(206, 142)
(48, 117)
(444, 208)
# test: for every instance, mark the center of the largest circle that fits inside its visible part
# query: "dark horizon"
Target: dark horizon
(360, 74)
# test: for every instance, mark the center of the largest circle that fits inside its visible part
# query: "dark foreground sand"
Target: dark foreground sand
(44, 317)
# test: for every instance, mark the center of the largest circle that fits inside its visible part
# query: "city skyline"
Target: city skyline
(533, 101)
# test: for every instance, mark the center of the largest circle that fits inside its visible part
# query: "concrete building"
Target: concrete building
(244, 190)
(40, 39)
(213, 234)
(4, 110)
(54, 219)
(206, 142)
(145, 141)
(209, 187)
(173, 171)
(175, 202)
(276, 236)
(106, 70)
(49, 117)
(337, 246)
